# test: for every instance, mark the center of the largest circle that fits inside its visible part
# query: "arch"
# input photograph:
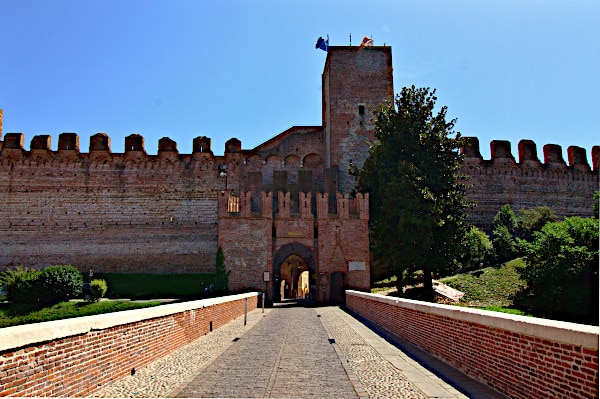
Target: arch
(289, 251)
(313, 161)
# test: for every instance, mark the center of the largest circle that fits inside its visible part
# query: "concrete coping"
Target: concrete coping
(27, 334)
(552, 330)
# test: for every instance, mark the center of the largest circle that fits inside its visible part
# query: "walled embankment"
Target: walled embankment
(522, 357)
(74, 357)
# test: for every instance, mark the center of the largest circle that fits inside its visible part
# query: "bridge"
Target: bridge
(229, 347)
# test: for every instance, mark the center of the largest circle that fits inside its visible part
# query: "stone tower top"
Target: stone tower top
(355, 81)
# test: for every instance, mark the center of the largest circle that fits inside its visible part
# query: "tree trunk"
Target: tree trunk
(428, 283)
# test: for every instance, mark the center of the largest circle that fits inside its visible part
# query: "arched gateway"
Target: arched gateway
(294, 277)
(290, 255)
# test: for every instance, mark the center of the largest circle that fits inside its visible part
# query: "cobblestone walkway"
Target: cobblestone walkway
(287, 355)
(289, 352)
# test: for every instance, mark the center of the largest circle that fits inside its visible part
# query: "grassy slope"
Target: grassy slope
(492, 286)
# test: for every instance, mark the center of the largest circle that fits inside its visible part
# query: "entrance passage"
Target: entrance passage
(295, 279)
(294, 274)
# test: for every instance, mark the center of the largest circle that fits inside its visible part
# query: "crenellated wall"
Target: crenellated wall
(134, 212)
(126, 212)
(251, 238)
(528, 182)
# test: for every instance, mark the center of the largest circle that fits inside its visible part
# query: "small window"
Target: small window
(361, 109)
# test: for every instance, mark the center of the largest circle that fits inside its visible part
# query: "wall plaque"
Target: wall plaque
(352, 266)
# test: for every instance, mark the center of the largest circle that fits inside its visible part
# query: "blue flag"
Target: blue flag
(322, 44)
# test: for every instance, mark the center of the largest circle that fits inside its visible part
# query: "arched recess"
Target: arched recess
(290, 254)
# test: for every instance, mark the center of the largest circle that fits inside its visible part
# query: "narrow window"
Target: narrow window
(361, 109)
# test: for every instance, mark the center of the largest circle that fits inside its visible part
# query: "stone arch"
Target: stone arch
(290, 251)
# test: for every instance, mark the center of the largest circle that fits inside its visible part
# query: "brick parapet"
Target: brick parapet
(523, 357)
(74, 357)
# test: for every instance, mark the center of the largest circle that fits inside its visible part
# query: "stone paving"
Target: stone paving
(291, 352)
(287, 355)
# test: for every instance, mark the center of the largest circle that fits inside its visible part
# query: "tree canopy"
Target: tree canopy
(562, 269)
(417, 196)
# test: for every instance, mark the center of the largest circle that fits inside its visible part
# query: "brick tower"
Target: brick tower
(355, 81)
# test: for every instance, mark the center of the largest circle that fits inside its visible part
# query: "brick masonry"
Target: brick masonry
(73, 358)
(522, 357)
(135, 212)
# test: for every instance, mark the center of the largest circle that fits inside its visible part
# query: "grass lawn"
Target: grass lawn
(120, 286)
(13, 314)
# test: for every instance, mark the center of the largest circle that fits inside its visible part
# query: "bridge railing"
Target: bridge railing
(74, 357)
(522, 357)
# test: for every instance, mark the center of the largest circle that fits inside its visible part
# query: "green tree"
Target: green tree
(505, 224)
(506, 217)
(562, 269)
(221, 273)
(532, 220)
(64, 282)
(477, 248)
(596, 205)
(418, 205)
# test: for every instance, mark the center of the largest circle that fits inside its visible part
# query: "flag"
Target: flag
(366, 42)
(322, 44)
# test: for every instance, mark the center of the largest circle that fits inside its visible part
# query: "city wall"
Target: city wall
(528, 182)
(522, 357)
(135, 212)
(128, 212)
(75, 357)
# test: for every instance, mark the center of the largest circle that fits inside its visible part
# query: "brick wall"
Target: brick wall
(338, 242)
(567, 189)
(74, 357)
(111, 212)
(522, 357)
(355, 81)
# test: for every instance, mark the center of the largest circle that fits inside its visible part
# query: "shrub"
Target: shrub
(22, 284)
(63, 282)
(504, 244)
(98, 289)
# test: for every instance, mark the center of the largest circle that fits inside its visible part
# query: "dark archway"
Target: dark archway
(308, 263)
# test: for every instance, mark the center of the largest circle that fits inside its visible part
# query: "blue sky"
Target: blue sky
(506, 69)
